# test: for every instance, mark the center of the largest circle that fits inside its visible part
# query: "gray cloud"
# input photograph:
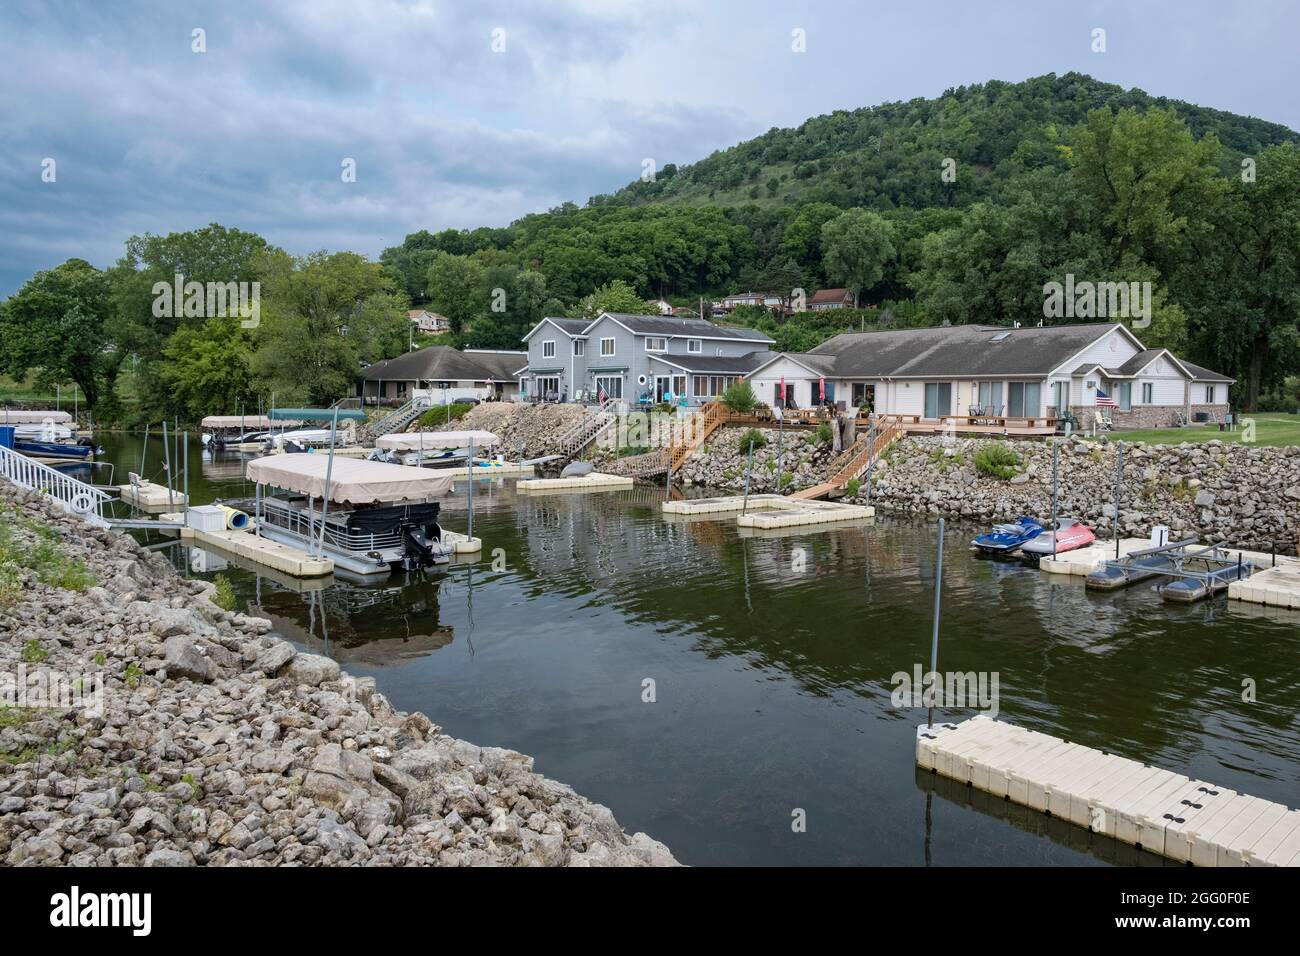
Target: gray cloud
(149, 136)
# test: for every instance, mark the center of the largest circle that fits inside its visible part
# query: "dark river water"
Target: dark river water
(771, 661)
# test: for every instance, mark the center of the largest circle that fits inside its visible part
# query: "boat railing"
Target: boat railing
(307, 525)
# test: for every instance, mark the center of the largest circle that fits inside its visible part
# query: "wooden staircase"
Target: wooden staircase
(857, 462)
(699, 427)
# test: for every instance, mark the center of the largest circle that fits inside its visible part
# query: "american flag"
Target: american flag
(1105, 401)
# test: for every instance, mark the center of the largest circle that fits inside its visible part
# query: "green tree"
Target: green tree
(616, 296)
(457, 288)
(856, 246)
(206, 369)
(59, 324)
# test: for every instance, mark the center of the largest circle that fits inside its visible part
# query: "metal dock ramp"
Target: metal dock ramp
(1188, 820)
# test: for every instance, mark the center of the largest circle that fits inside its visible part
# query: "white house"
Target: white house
(1093, 370)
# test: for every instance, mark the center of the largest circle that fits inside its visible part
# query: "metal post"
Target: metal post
(871, 453)
(167, 463)
(1119, 477)
(257, 514)
(144, 449)
(329, 475)
(469, 530)
(934, 640)
(748, 468)
(1056, 449)
(186, 471)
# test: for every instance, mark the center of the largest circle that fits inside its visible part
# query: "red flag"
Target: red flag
(821, 385)
(782, 389)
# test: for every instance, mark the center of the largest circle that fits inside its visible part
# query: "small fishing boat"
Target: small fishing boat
(223, 430)
(433, 449)
(371, 517)
(81, 450)
(1008, 537)
(1070, 534)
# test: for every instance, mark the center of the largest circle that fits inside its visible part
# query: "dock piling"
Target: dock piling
(748, 469)
(934, 640)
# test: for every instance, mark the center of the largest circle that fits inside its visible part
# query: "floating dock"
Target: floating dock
(1273, 586)
(596, 481)
(249, 546)
(1188, 820)
(150, 497)
(1083, 561)
(508, 470)
(769, 512)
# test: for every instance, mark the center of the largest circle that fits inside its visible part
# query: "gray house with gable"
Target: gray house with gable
(637, 358)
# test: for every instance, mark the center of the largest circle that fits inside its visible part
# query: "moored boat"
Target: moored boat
(1008, 537)
(379, 516)
(1070, 534)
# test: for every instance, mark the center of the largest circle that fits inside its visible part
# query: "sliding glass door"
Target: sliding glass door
(938, 399)
(1024, 399)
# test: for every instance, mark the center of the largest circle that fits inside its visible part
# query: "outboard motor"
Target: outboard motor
(417, 549)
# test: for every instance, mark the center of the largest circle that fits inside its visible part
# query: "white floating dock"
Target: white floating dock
(507, 470)
(151, 497)
(1188, 820)
(1083, 561)
(1275, 587)
(460, 543)
(769, 512)
(595, 481)
(264, 551)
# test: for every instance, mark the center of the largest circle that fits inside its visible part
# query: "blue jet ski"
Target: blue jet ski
(1006, 538)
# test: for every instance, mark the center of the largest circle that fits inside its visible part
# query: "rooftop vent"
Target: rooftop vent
(1001, 336)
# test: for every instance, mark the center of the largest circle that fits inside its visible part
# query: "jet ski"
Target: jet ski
(1008, 537)
(1070, 534)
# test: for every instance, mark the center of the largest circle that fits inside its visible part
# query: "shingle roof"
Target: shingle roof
(959, 350)
(1200, 374)
(444, 363)
(695, 328)
(724, 364)
(829, 295)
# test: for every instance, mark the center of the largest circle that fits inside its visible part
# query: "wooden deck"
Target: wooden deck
(1013, 426)
(1178, 817)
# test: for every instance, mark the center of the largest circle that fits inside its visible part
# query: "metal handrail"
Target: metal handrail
(63, 489)
(296, 521)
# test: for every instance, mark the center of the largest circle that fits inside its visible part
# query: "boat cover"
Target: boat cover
(241, 421)
(353, 481)
(14, 416)
(414, 441)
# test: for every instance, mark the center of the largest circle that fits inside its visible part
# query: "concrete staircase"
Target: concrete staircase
(398, 419)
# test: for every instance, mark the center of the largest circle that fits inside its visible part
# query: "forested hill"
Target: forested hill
(885, 157)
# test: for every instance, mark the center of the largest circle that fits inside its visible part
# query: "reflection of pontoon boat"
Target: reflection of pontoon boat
(432, 448)
(379, 516)
(1070, 533)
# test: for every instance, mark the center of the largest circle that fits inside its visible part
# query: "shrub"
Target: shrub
(441, 414)
(997, 461)
(852, 487)
(224, 597)
(739, 397)
(751, 435)
(33, 653)
(823, 434)
(785, 480)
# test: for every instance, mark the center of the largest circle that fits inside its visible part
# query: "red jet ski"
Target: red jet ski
(1070, 534)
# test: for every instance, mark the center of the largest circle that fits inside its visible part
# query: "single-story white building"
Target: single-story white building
(1095, 370)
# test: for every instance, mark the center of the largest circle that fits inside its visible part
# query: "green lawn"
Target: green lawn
(23, 390)
(1271, 428)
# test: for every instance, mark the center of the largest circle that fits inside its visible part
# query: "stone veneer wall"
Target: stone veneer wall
(1148, 416)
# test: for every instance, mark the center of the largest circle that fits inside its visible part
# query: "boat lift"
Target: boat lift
(1212, 570)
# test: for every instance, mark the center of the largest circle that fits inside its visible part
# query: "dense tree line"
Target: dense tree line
(958, 209)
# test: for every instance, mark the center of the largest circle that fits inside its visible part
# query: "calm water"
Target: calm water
(772, 683)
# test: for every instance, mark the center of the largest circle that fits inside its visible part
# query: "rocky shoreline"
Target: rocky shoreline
(217, 743)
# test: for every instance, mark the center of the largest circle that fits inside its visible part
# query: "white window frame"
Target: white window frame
(694, 346)
(548, 348)
(579, 347)
(610, 353)
(1209, 395)
(1148, 393)
(663, 343)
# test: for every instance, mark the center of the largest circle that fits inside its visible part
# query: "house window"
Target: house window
(938, 399)
(1209, 395)
(579, 347)
(1024, 399)
(611, 386)
(606, 347)
(653, 344)
(700, 387)
(1126, 396)
(548, 348)
(1062, 390)
(1148, 393)
(694, 346)
(990, 398)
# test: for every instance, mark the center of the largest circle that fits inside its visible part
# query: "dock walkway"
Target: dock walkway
(1184, 819)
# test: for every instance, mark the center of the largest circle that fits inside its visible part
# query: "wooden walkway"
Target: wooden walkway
(1178, 817)
(857, 463)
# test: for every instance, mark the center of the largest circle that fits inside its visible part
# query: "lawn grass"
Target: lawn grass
(1271, 428)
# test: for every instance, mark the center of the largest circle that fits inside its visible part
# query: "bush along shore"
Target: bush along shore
(1220, 492)
(197, 737)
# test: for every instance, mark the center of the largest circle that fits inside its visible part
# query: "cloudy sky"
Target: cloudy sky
(148, 135)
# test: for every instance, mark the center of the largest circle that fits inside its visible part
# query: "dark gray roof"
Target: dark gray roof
(672, 325)
(444, 363)
(568, 326)
(1200, 374)
(1138, 362)
(718, 364)
(959, 350)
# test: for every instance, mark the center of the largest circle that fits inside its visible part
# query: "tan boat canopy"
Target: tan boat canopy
(242, 421)
(14, 416)
(414, 441)
(352, 480)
